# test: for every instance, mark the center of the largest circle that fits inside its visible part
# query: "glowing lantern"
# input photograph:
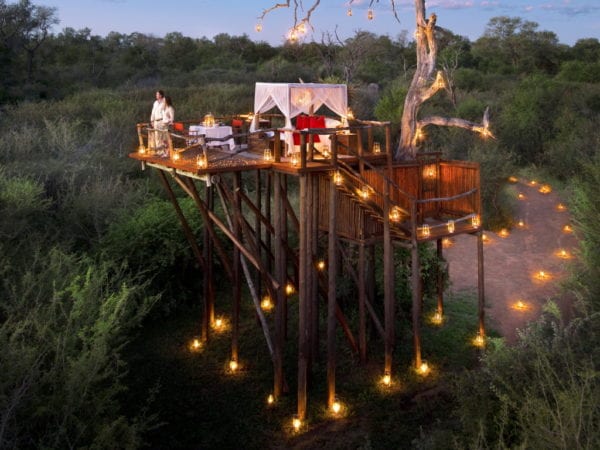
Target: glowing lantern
(521, 223)
(386, 380)
(321, 265)
(450, 226)
(520, 305)
(294, 159)
(560, 207)
(196, 344)
(533, 182)
(376, 147)
(218, 324)
(563, 254)
(296, 423)
(270, 399)
(209, 120)
(336, 407)
(267, 154)
(521, 196)
(233, 365)
(512, 179)
(289, 289)
(395, 214)
(504, 233)
(370, 14)
(447, 242)
(429, 172)
(266, 304)
(201, 161)
(423, 368)
(545, 189)
(425, 231)
(440, 83)
(338, 178)
(542, 275)
(476, 221)
(485, 238)
(567, 229)
(293, 36)
(479, 340)
(258, 27)
(365, 192)
(141, 150)
(419, 135)
(349, 12)
(437, 318)
(175, 156)
(325, 152)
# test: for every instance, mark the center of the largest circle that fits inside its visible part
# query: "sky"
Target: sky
(570, 20)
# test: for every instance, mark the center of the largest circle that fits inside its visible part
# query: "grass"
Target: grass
(200, 404)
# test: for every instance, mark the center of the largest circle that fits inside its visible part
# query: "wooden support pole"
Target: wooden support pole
(237, 271)
(416, 301)
(388, 274)
(480, 284)
(280, 276)
(440, 278)
(208, 286)
(314, 276)
(362, 298)
(331, 293)
(258, 226)
(303, 328)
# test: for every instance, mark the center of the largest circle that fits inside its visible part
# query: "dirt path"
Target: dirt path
(512, 264)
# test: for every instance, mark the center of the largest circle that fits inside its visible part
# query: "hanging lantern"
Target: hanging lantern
(233, 365)
(294, 159)
(349, 12)
(338, 179)
(376, 147)
(258, 27)
(450, 226)
(370, 14)
(395, 214)
(425, 231)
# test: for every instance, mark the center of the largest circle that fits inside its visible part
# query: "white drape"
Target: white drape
(293, 99)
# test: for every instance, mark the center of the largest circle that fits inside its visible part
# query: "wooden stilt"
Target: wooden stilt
(303, 338)
(331, 294)
(415, 281)
(208, 286)
(362, 299)
(280, 276)
(440, 278)
(237, 278)
(480, 284)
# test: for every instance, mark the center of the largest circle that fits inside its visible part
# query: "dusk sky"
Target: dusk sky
(569, 19)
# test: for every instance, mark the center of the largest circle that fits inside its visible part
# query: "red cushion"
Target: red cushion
(178, 126)
(237, 123)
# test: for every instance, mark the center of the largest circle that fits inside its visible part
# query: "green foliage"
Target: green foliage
(586, 213)
(391, 104)
(543, 393)
(65, 322)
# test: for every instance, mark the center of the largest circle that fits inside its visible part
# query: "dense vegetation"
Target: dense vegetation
(91, 256)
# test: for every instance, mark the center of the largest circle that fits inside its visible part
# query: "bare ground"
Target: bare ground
(512, 264)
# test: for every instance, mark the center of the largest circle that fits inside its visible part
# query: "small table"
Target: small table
(214, 132)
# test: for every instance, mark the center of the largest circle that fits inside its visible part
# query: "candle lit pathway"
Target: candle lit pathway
(524, 265)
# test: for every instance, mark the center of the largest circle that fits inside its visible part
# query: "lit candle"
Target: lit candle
(504, 233)
(450, 226)
(561, 207)
(479, 341)
(338, 178)
(289, 289)
(296, 423)
(425, 231)
(321, 265)
(336, 407)
(387, 379)
(424, 368)
(266, 303)
(437, 318)
(233, 365)
(376, 147)
(395, 214)
(270, 399)
(476, 221)
(267, 155)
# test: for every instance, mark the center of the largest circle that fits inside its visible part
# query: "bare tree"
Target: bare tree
(426, 81)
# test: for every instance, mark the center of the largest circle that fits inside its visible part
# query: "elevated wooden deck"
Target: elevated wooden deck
(283, 212)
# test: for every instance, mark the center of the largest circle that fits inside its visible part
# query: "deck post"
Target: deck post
(208, 317)
(388, 275)
(362, 298)
(303, 328)
(280, 276)
(331, 283)
(440, 278)
(237, 270)
(480, 284)
(416, 300)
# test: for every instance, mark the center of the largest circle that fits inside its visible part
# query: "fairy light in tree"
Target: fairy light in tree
(370, 15)
(293, 36)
